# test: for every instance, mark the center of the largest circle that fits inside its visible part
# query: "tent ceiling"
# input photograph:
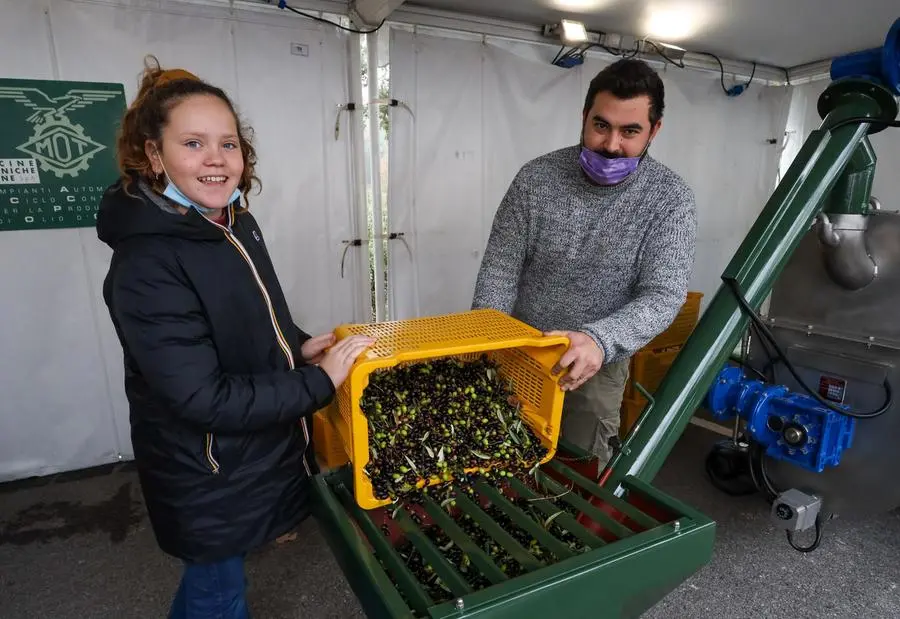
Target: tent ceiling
(775, 32)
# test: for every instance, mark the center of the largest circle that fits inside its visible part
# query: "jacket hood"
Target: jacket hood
(123, 215)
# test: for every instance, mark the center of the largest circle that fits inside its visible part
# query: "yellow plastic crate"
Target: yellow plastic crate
(327, 442)
(682, 326)
(649, 368)
(523, 353)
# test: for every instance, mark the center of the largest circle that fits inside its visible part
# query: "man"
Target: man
(596, 242)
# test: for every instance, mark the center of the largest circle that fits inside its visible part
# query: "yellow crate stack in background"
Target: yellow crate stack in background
(650, 364)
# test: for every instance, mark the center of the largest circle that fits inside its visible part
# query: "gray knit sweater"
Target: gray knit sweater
(613, 262)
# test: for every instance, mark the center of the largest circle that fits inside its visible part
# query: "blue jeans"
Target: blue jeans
(212, 591)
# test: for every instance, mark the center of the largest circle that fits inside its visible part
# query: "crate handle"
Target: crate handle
(471, 347)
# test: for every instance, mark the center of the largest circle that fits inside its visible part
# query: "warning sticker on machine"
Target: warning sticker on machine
(832, 388)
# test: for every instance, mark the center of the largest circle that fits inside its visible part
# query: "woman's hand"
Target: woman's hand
(313, 349)
(340, 358)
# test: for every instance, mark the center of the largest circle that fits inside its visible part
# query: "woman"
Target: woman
(221, 383)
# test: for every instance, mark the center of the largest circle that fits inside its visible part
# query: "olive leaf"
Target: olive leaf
(552, 518)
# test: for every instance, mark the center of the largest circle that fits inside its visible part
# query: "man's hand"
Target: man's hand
(313, 349)
(583, 359)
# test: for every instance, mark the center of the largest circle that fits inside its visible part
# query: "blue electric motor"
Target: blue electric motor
(880, 64)
(791, 427)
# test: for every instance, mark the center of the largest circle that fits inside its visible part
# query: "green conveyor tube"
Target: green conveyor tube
(835, 156)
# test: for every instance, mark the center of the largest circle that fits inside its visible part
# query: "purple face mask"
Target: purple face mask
(605, 171)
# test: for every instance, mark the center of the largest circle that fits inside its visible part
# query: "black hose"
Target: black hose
(721, 483)
(764, 474)
(770, 355)
(761, 326)
(760, 477)
(814, 544)
(750, 368)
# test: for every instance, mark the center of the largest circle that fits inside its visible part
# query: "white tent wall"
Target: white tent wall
(484, 107)
(61, 369)
(459, 153)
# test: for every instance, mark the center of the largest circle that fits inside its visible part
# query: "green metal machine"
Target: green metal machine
(614, 547)
(629, 554)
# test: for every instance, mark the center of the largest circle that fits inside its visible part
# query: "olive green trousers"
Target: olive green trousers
(591, 417)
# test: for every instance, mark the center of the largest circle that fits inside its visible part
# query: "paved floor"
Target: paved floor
(83, 549)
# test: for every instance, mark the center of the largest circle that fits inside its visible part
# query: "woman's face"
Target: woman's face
(200, 151)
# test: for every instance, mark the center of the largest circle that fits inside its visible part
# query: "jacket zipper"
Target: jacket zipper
(282, 342)
(213, 463)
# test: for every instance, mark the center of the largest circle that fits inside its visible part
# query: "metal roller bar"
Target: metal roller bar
(550, 509)
(610, 524)
(479, 558)
(606, 496)
(525, 522)
(394, 563)
(445, 570)
(374, 588)
(504, 539)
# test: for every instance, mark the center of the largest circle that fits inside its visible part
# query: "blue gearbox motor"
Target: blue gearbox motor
(791, 427)
(879, 64)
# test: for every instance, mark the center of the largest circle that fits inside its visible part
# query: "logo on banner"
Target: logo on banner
(57, 151)
(56, 143)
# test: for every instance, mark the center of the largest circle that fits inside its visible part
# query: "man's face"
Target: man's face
(619, 127)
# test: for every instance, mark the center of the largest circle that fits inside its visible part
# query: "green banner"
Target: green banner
(57, 151)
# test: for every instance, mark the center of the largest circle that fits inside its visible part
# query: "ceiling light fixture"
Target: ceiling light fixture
(573, 31)
(672, 52)
(568, 31)
(580, 6)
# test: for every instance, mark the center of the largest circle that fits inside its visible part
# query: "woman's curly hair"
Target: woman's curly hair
(160, 91)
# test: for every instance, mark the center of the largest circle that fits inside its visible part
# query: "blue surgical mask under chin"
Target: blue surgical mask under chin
(175, 195)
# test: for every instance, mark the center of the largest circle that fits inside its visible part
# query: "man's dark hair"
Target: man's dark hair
(626, 79)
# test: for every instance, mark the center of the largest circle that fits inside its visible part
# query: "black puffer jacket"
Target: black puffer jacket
(219, 395)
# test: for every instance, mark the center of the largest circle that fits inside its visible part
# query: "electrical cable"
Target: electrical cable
(814, 544)
(751, 313)
(737, 89)
(764, 474)
(758, 459)
(659, 50)
(751, 465)
(750, 368)
(752, 75)
(721, 69)
(558, 54)
(720, 484)
(282, 4)
(576, 54)
(771, 358)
